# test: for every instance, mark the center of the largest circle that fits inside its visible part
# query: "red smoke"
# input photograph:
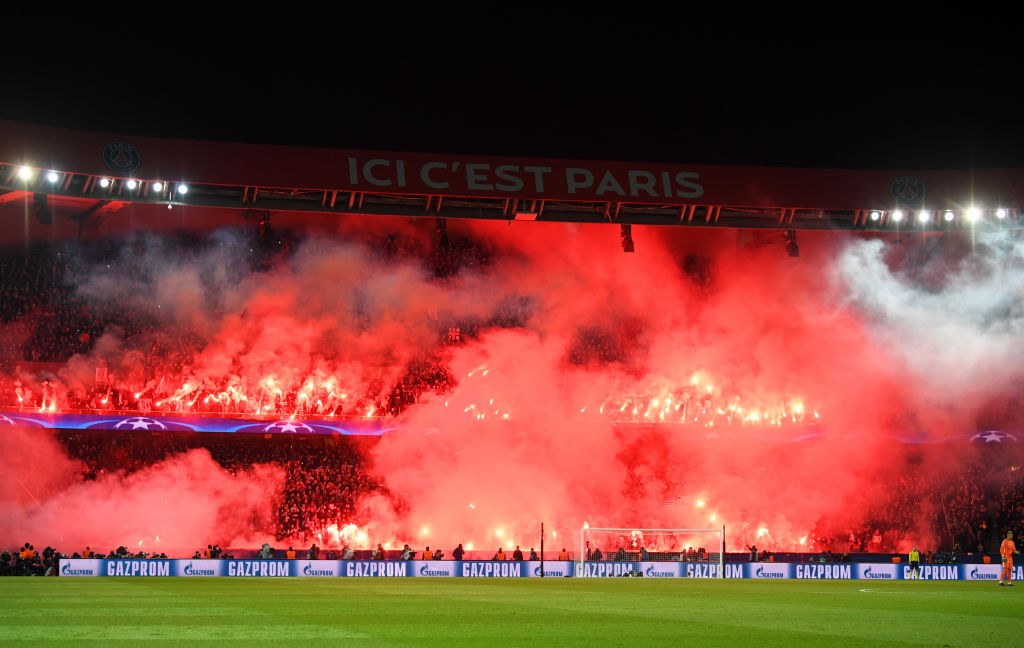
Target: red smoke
(663, 388)
(175, 506)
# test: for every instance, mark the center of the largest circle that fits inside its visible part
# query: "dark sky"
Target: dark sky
(527, 90)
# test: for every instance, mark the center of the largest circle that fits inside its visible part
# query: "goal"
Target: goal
(651, 552)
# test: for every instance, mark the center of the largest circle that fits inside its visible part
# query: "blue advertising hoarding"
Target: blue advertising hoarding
(521, 569)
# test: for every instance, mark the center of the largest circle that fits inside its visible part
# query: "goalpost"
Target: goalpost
(618, 546)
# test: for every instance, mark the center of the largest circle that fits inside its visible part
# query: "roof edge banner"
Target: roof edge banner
(380, 172)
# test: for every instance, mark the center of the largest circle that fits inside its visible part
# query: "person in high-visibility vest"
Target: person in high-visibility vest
(915, 561)
(563, 554)
(1006, 550)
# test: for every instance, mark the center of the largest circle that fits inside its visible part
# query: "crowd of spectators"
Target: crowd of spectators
(60, 300)
(324, 478)
(46, 319)
(954, 510)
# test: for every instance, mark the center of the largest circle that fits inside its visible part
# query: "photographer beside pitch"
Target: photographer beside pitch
(1007, 549)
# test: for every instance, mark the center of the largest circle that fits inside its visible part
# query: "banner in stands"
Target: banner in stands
(522, 569)
(252, 165)
(147, 421)
(155, 423)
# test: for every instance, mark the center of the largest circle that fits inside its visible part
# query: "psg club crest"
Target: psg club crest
(907, 190)
(122, 158)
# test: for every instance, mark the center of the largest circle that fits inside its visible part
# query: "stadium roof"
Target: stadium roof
(764, 126)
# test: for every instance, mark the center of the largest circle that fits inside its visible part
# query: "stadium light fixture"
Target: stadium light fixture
(132, 184)
(792, 247)
(626, 234)
(104, 182)
(52, 176)
(897, 215)
(1000, 213)
(923, 216)
(41, 209)
(183, 189)
(24, 173)
(876, 215)
(158, 186)
(973, 214)
(949, 216)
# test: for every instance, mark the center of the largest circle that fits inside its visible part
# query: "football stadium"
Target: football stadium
(265, 394)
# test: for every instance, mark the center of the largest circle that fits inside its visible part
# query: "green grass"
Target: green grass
(496, 612)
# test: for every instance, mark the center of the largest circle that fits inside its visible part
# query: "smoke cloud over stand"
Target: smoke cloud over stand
(174, 506)
(537, 373)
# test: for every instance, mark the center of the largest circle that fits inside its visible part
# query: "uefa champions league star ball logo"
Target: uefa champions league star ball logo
(122, 158)
(992, 436)
(908, 190)
(288, 427)
(140, 423)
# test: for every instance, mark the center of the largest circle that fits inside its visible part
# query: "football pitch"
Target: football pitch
(497, 612)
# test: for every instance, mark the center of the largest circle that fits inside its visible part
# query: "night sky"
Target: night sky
(548, 91)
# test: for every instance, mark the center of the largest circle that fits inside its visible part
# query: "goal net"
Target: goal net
(651, 552)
